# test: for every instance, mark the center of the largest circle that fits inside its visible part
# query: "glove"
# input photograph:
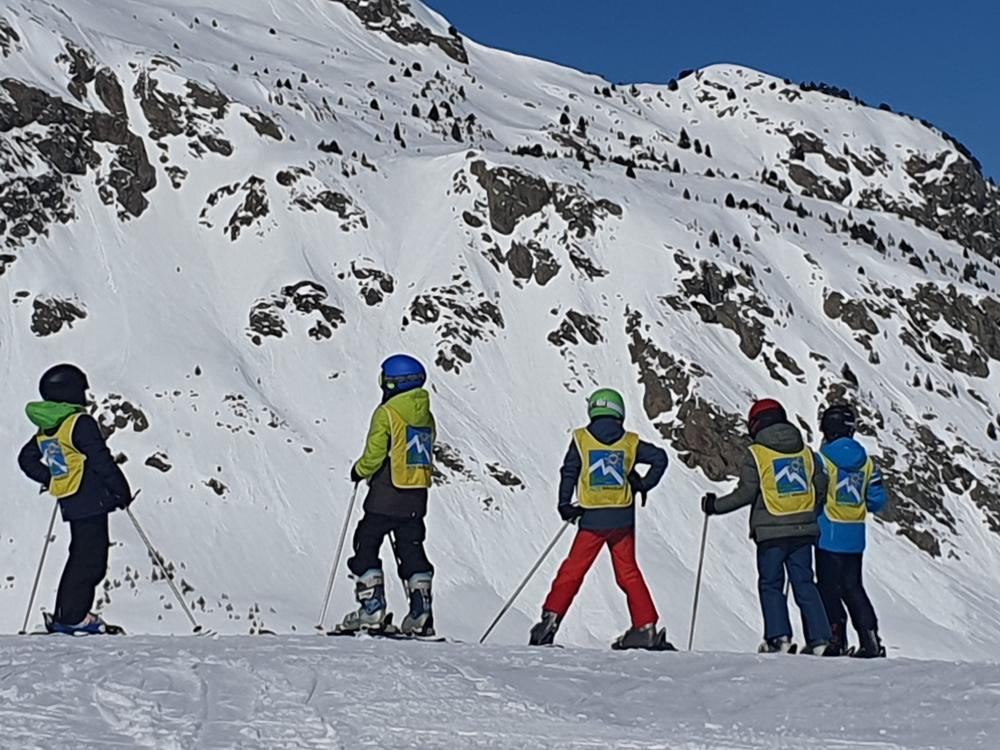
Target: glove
(122, 503)
(637, 489)
(708, 504)
(570, 512)
(355, 477)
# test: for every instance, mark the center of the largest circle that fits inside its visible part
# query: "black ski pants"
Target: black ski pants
(407, 534)
(85, 568)
(839, 578)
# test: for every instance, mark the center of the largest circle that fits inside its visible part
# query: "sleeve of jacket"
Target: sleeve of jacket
(656, 459)
(877, 498)
(746, 491)
(30, 461)
(376, 445)
(569, 475)
(821, 482)
(90, 442)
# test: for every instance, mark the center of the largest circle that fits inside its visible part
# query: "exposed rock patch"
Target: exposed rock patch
(306, 299)
(395, 19)
(460, 316)
(50, 314)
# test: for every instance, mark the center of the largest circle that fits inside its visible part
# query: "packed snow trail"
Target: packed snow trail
(310, 691)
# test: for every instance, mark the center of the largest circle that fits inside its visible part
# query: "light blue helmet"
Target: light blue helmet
(401, 373)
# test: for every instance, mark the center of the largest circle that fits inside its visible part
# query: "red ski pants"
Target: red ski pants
(586, 547)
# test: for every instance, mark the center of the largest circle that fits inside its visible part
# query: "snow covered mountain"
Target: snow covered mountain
(228, 218)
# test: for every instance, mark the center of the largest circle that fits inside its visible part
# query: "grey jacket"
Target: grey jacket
(784, 438)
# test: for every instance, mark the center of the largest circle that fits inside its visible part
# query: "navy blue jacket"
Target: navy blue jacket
(610, 430)
(104, 487)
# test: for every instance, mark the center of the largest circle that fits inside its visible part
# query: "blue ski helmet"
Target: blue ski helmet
(401, 373)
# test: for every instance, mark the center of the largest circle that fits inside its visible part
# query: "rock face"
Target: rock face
(231, 225)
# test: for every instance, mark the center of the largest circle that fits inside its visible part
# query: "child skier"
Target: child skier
(397, 466)
(855, 490)
(600, 468)
(69, 457)
(782, 480)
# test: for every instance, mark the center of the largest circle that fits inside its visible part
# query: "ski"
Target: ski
(390, 635)
(390, 632)
(665, 646)
(108, 630)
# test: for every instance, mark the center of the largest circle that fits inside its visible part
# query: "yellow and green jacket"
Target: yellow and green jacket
(398, 458)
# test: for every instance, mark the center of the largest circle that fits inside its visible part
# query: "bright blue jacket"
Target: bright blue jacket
(849, 538)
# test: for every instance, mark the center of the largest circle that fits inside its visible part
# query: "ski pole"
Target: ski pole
(163, 568)
(38, 573)
(399, 564)
(336, 559)
(527, 578)
(697, 582)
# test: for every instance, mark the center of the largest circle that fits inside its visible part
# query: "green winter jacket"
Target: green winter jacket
(383, 497)
(784, 438)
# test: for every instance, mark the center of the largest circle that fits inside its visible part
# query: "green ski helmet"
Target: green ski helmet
(606, 402)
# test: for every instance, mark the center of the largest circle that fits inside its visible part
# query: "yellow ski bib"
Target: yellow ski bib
(785, 480)
(604, 474)
(845, 500)
(411, 450)
(63, 460)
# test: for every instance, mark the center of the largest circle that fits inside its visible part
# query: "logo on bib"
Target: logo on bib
(607, 469)
(850, 489)
(419, 444)
(54, 458)
(790, 475)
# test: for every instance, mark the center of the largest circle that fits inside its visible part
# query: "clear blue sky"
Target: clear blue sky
(935, 60)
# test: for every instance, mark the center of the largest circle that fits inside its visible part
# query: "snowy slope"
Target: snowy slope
(229, 218)
(305, 692)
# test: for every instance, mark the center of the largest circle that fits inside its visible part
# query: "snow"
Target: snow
(311, 691)
(168, 296)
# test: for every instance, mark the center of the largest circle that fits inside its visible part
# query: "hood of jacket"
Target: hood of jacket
(413, 406)
(48, 415)
(607, 430)
(782, 437)
(847, 453)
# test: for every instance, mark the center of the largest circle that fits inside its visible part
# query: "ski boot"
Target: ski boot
(646, 637)
(820, 648)
(419, 621)
(544, 633)
(870, 646)
(90, 625)
(838, 643)
(370, 594)
(780, 645)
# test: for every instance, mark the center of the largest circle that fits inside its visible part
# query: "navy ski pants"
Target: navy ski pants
(794, 556)
(85, 568)
(839, 578)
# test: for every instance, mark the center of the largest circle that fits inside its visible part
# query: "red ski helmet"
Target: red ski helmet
(766, 410)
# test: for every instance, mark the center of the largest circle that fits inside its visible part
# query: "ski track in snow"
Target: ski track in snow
(312, 692)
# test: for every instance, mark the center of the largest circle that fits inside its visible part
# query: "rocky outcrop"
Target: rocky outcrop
(306, 299)
(395, 19)
(50, 314)
(460, 316)
(58, 141)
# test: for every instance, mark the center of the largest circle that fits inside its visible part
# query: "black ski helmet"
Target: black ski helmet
(64, 383)
(839, 420)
